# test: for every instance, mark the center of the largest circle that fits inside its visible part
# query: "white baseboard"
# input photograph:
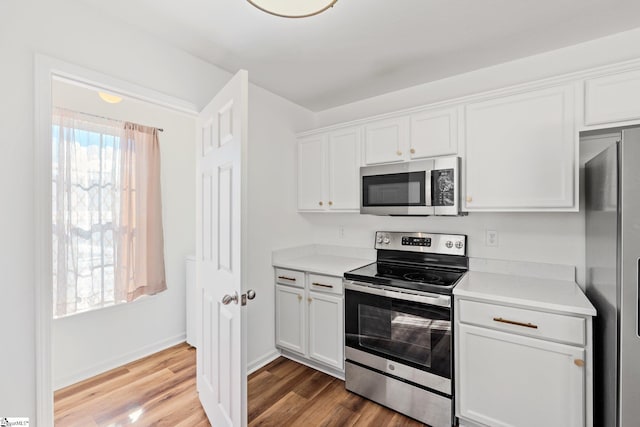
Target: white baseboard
(116, 362)
(312, 364)
(262, 361)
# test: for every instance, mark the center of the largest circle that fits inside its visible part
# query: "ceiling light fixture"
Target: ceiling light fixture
(109, 97)
(293, 8)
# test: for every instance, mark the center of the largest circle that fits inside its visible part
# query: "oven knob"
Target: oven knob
(459, 244)
(386, 240)
(449, 244)
(379, 239)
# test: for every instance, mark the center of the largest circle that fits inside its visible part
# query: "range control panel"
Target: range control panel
(450, 244)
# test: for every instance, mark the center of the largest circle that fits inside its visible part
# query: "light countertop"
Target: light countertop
(331, 265)
(563, 296)
(323, 259)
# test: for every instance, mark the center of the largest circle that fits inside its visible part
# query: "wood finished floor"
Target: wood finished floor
(160, 390)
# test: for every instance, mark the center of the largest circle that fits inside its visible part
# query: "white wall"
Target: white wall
(90, 343)
(273, 221)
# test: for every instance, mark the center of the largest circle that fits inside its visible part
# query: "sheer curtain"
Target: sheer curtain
(140, 247)
(107, 222)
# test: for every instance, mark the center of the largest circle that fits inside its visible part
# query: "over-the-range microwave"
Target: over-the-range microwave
(423, 187)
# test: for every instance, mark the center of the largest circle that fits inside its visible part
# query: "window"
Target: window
(98, 187)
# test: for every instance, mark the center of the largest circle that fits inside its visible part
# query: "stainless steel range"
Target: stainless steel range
(398, 320)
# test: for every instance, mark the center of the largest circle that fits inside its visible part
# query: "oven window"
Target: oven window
(395, 333)
(398, 189)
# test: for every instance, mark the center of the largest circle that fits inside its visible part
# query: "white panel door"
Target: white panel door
(290, 318)
(344, 169)
(434, 133)
(326, 330)
(507, 380)
(221, 355)
(386, 141)
(312, 173)
(521, 152)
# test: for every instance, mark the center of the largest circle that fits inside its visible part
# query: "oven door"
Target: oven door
(413, 330)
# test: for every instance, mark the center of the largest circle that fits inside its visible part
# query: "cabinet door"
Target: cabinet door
(386, 141)
(311, 173)
(521, 152)
(612, 98)
(290, 318)
(434, 133)
(508, 380)
(326, 330)
(344, 169)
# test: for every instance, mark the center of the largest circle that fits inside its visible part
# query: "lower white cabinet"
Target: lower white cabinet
(325, 324)
(290, 318)
(511, 380)
(520, 367)
(310, 318)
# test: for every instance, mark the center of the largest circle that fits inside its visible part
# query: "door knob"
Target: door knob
(228, 299)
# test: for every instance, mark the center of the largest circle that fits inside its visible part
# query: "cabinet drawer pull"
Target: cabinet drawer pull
(299, 297)
(322, 285)
(293, 279)
(579, 362)
(513, 322)
(309, 299)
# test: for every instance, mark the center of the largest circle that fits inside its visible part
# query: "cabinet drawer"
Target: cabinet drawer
(290, 277)
(533, 323)
(320, 283)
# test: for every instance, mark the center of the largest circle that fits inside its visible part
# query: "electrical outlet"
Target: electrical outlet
(491, 238)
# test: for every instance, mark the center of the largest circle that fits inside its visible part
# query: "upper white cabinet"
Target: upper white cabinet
(434, 133)
(344, 169)
(386, 141)
(612, 98)
(328, 171)
(520, 152)
(311, 172)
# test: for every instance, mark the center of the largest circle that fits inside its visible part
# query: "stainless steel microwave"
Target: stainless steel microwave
(423, 187)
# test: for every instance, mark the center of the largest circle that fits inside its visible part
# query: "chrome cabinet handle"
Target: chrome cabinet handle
(513, 322)
(228, 299)
(322, 285)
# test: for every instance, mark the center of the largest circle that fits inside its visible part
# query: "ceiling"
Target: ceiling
(363, 48)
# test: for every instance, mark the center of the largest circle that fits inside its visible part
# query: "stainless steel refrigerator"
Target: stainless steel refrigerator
(612, 190)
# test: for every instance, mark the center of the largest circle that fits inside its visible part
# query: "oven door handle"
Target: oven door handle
(432, 299)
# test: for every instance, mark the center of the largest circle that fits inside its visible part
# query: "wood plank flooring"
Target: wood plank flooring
(160, 390)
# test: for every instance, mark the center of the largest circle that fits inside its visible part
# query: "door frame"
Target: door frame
(47, 69)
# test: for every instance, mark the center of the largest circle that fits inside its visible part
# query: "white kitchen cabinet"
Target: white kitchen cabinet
(434, 133)
(310, 318)
(511, 380)
(612, 98)
(326, 329)
(312, 171)
(520, 152)
(290, 318)
(328, 171)
(386, 140)
(343, 151)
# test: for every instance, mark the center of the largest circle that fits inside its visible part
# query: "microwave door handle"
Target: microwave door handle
(428, 197)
